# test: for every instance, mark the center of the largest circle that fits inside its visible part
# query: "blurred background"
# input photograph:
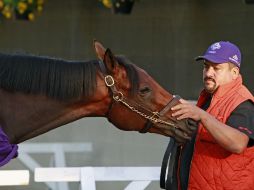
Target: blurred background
(161, 36)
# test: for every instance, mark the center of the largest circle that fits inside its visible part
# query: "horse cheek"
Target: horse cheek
(126, 120)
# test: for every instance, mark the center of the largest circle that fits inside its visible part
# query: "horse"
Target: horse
(41, 93)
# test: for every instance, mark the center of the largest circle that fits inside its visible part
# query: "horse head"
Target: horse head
(138, 102)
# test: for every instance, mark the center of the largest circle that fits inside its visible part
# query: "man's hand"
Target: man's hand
(187, 110)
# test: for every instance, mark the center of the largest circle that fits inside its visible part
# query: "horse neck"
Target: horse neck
(23, 116)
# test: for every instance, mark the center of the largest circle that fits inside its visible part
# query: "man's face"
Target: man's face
(215, 75)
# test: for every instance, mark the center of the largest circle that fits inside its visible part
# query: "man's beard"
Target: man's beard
(210, 88)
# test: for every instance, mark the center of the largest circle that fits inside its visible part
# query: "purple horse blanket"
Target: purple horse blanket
(7, 151)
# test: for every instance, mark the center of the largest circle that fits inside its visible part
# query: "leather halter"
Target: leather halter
(151, 116)
(170, 104)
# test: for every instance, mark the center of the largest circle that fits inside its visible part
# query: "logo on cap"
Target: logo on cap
(216, 46)
(234, 58)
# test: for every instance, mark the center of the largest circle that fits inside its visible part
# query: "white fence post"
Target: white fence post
(87, 179)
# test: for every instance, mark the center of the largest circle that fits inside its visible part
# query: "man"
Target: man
(221, 155)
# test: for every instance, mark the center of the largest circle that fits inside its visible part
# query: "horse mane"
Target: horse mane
(56, 78)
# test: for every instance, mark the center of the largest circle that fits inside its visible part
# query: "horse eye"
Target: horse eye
(145, 90)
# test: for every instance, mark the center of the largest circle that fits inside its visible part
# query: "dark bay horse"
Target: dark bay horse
(38, 94)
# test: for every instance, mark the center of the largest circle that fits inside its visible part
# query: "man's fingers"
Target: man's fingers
(183, 101)
(183, 116)
(180, 112)
(177, 107)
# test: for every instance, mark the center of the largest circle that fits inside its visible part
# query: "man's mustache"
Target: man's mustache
(209, 78)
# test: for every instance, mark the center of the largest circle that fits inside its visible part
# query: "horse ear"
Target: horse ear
(110, 61)
(99, 49)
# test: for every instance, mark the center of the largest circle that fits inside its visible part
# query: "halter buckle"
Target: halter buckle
(109, 80)
(118, 96)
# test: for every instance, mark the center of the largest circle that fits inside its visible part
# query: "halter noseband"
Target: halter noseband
(151, 116)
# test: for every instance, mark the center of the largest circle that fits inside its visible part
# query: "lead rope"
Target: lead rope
(169, 159)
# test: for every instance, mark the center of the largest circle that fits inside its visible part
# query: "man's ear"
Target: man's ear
(110, 61)
(235, 71)
(99, 49)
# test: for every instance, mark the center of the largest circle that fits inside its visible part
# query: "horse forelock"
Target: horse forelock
(56, 78)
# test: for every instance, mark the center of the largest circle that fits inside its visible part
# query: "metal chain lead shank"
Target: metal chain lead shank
(119, 97)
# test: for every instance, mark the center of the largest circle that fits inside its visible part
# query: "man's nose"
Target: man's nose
(209, 71)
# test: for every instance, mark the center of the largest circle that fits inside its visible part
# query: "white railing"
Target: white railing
(140, 177)
(14, 177)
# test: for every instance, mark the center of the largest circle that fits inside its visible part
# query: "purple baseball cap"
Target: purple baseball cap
(222, 52)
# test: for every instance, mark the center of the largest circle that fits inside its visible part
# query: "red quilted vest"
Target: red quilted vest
(212, 167)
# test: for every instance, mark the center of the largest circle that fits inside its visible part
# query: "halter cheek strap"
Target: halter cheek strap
(109, 81)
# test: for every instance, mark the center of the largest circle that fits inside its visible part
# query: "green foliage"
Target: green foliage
(20, 9)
